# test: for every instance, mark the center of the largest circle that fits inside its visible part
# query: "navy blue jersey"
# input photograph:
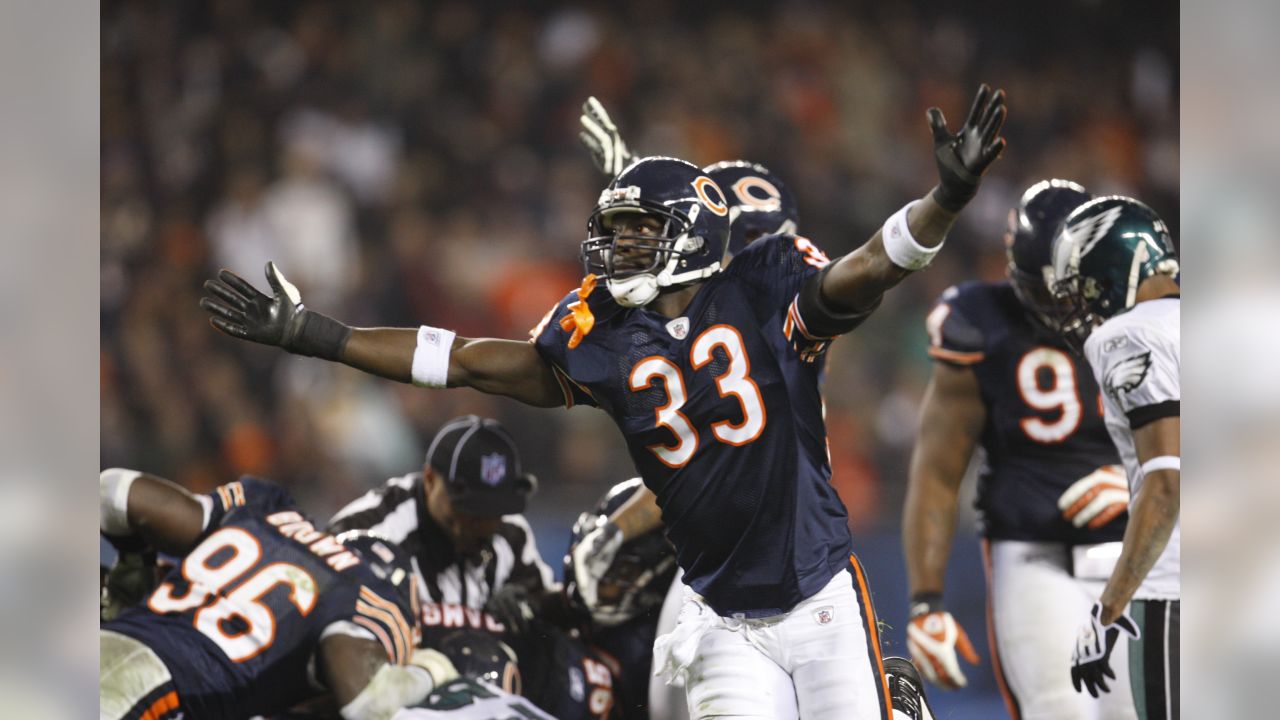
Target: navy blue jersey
(564, 676)
(721, 413)
(1044, 426)
(631, 646)
(237, 623)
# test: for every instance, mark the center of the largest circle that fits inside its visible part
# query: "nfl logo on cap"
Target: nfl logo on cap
(493, 469)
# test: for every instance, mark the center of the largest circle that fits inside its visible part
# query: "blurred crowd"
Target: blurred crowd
(412, 162)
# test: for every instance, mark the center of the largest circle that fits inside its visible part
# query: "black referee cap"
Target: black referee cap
(480, 466)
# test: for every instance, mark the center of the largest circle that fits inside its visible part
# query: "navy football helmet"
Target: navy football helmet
(1033, 224)
(640, 575)
(391, 563)
(1106, 248)
(690, 247)
(759, 202)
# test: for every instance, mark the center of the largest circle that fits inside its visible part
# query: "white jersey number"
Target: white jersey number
(735, 381)
(1060, 395)
(206, 582)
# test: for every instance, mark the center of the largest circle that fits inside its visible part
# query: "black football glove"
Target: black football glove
(963, 157)
(239, 310)
(1091, 659)
(512, 606)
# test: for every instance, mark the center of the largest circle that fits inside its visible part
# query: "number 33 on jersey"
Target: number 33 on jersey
(722, 415)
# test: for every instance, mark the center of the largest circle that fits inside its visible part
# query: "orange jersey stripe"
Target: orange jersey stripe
(164, 704)
(377, 614)
(378, 601)
(1010, 702)
(873, 630)
(962, 358)
(381, 634)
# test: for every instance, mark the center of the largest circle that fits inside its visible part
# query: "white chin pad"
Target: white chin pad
(635, 291)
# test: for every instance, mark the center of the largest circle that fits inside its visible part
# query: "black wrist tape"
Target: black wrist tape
(321, 336)
(923, 603)
(953, 199)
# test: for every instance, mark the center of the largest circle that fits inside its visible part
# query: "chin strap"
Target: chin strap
(580, 321)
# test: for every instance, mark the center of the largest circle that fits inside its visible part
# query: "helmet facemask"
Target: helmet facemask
(637, 267)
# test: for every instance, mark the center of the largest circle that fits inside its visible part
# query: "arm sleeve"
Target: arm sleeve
(953, 337)
(552, 342)
(780, 272)
(262, 495)
(1139, 370)
(385, 617)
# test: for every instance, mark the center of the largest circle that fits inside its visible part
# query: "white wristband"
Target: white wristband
(113, 500)
(902, 249)
(1164, 462)
(431, 357)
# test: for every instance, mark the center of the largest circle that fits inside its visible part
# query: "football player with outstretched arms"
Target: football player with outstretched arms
(1115, 277)
(711, 374)
(760, 204)
(1051, 495)
(262, 612)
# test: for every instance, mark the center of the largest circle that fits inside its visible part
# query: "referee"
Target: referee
(460, 520)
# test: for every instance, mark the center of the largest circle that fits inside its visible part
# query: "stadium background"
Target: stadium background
(409, 162)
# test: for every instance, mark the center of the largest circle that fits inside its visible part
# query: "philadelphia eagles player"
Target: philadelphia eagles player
(1115, 277)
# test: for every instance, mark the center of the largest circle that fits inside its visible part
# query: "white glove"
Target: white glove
(436, 663)
(1091, 659)
(592, 558)
(933, 637)
(601, 138)
(1097, 498)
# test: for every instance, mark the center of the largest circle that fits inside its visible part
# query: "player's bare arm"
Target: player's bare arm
(161, 513)
(952, 418)
(424, 356)
(1152, 516)
(366, 687)
(640, 514)
(951, 422)
(856, 281)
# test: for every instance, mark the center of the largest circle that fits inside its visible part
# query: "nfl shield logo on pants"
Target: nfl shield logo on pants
(824, 615)
(493, 468)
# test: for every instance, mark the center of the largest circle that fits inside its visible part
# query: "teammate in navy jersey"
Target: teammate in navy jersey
(1051, 494)
(711, 374)
(264, 612)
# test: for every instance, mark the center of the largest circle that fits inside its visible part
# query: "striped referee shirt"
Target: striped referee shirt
(398, 511)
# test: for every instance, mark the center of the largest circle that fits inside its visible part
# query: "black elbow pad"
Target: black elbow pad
(818, 318)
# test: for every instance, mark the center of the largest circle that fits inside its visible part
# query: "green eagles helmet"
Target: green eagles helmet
(1106, 248)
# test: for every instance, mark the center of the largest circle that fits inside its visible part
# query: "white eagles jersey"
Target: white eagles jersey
(468, 699)
(1135, 357)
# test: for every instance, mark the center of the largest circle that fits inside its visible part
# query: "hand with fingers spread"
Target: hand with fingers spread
(240, 310)
(933, 638)
(602, 140)
(963, 157)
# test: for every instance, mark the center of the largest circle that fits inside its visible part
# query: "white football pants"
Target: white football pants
(668, 700)
(820, 660)
(1034, 610)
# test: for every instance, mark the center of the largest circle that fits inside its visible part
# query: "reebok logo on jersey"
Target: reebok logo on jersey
(1128, 373)
(1114, 343)
(824, 614)
(678, 328)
